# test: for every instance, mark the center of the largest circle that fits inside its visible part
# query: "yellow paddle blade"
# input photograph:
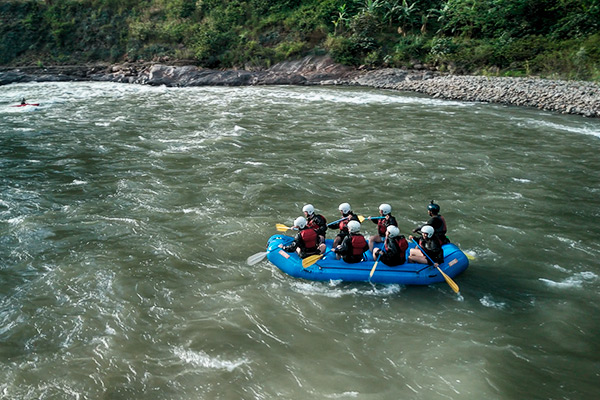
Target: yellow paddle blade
(373, 269)
(282, 228)
(361, 218)
(310, 260)
(470, 257)
(449, 281)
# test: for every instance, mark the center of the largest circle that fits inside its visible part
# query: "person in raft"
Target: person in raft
(348, 216)
(385, 211)
(395, 245)
(430, 245)
(315, 221)
(23, 102)
(437, 221)
(353, 246)
(307, 242)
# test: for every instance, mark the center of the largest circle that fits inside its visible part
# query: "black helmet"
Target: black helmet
(433, 207)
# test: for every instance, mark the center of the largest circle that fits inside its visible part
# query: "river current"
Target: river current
(127, 214)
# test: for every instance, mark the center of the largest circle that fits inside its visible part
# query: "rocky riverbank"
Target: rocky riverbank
(569, 97)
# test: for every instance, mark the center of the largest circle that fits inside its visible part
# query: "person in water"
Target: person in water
(385, 211)
(353, 246)
(437, 221)
(23, 102)
(348, 216)
(430, 245)
(307, 242)
(394, 248)
(315, 221)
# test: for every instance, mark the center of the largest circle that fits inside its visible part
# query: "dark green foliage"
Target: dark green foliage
(411, 48)
(343, 50)
(559, 37)
(366, 28)
(66, 31)
(210, 44)
(18, 26)
(579, 18)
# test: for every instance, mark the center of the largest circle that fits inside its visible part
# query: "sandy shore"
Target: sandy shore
(568, 97)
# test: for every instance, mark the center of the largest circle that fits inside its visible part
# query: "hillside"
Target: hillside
(549, 38)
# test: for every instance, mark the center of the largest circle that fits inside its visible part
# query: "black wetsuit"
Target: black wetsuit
(433, 249)
(352, 248)
(395, 251)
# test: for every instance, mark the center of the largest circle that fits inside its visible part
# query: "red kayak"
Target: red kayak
(27, 104)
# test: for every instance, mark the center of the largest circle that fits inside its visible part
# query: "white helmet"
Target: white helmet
(428, 229)
(309, 209)
(354, 226)
(345, 208)
(300, 222)
(393, 231)
(385, 209)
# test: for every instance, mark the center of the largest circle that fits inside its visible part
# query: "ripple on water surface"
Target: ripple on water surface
(127, 214)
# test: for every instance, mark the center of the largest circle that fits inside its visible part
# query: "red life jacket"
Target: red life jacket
(382, 226)
(401, 242)
(344, 225)
(312, 222)
(309, 236)
(358, 245)
(383, 223)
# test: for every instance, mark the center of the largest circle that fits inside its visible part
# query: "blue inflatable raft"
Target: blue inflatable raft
(329, 268)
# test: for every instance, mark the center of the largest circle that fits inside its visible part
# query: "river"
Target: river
(127, 213)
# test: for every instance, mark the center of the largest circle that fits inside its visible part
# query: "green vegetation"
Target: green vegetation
(552, 38)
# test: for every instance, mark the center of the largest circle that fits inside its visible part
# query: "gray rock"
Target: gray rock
(571, 97)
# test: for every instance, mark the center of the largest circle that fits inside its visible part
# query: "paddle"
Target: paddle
(449, 281)
(283, 228)
(335, 222)
(375, 265)
(361, 219)
(310, 260)
(256, 258)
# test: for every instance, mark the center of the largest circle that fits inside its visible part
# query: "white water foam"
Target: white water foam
(487, 301)
(575, 281)
(521, 180)
(591, 128)
(361, 97)
(201, 359)
(585, 130)
(558, 267)
(341, 395)
(334, 290)
(16, 220)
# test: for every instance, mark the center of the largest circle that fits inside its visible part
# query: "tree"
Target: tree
(340, 18)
